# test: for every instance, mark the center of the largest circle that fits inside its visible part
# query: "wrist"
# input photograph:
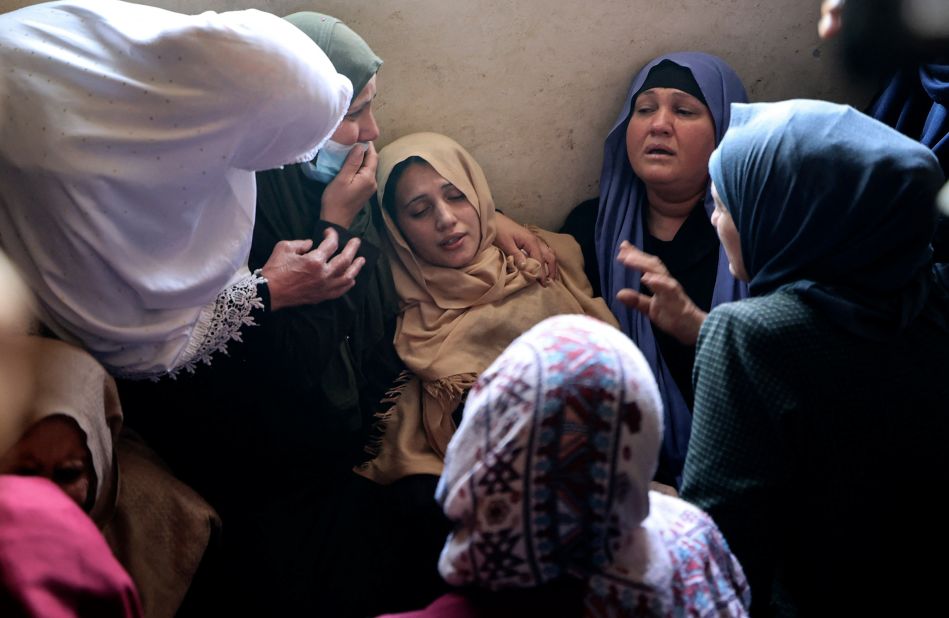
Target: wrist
(274, 289)
(338, 216)
(692, 325)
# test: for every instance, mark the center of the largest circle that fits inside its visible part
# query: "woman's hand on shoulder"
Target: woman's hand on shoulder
(516, 240)
(298, 276)
(352, 188)
(669, 308)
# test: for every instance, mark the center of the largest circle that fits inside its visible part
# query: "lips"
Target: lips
(452, 242)
(659, 149)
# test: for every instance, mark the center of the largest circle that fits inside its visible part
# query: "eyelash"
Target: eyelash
(681, 111)
(419, 213)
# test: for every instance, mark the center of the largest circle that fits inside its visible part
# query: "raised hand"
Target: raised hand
(352, 188)
(297, 276)
(669, 308)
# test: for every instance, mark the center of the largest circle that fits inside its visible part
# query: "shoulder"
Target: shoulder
(675, 518)
(701, 557)
(759, 321)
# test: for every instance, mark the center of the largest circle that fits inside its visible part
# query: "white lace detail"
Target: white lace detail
(221, 323)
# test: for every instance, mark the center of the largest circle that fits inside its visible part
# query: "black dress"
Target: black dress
(692, 259)
(269, 435)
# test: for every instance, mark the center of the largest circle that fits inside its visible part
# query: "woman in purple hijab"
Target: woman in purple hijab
(653, 214)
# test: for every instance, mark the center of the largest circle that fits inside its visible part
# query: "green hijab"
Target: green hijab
(345, 49)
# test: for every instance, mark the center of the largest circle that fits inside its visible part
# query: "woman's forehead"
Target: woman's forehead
(671, 93)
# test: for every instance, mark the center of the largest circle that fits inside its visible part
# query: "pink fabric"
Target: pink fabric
(53, 561)
(451, 605)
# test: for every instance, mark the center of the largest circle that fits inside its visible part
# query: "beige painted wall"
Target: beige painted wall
(531, 87)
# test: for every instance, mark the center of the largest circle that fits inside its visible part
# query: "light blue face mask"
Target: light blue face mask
(329, 161)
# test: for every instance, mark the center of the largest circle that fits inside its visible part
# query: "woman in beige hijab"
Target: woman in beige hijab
(462, 299)
(66, 429)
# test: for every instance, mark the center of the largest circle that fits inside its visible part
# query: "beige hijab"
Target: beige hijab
(156, 526)
(67, 381)
(456, 321)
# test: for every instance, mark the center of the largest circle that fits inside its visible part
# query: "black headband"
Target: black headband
(668, 74)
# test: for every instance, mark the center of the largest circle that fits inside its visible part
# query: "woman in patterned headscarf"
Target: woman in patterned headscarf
(547, 483)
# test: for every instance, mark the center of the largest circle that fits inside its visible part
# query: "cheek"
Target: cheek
(347, 133)
(635, 134)
(417, 233)
(701, 143)
(77, 489)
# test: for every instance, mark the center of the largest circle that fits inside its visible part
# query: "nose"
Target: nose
(445, 218)
(661, 121)
(368, 129)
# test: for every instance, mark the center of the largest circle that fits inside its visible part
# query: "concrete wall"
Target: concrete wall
(531, 87)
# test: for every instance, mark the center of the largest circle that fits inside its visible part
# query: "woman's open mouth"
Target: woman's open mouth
(659, 151)
(452, 242)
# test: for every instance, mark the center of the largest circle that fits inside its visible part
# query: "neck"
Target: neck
(666, 213)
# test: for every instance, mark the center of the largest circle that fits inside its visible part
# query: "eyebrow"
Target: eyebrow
(361, 107)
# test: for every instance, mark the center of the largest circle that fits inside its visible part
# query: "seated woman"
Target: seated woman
(157, 527)
(328, 365)
(463, 300)
(53, 561)
(653, 212)
(337, 379)
(547, 484)
(821, 400)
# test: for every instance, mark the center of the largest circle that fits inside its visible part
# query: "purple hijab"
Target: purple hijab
(619, 218)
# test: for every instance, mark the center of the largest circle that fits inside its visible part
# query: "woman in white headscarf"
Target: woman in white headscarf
(131, 138)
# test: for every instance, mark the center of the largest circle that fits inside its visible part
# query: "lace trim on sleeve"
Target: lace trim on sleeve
(221, 323)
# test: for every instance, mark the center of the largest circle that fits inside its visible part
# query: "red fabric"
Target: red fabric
(54, 563)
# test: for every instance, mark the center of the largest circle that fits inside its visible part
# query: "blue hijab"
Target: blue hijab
(619, 218)
(835, 205)
(916, 103)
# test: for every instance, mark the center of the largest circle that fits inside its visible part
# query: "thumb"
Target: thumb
(353, 162)
(299, 247)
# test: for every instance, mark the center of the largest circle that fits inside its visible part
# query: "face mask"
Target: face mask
(329, 161)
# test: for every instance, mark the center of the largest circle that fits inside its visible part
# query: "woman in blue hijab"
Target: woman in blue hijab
(826, 391)
(654, 205)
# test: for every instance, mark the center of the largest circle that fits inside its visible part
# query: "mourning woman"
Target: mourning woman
(547, 485)
(462, 299)
(820, 401)
(653, 213)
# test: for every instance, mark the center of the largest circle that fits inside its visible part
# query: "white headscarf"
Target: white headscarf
(548, 476)
(131, 135)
